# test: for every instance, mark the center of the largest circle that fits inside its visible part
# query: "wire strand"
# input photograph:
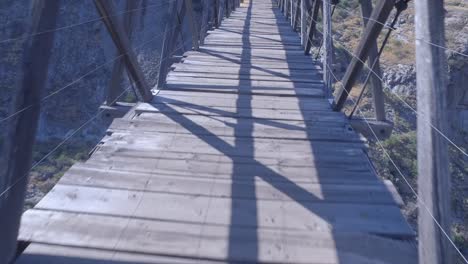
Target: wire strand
(81, 23)
(78, 79)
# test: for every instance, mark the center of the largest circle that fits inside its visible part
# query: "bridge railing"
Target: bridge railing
(305, 15)
(433, 180)
(38, 45)
(180, 12)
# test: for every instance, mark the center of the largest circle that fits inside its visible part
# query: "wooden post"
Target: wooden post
(374, 65)
(117, 32)
(327, 47)
(296, 14)
(115, 89)
(193, 28)
(17, 150)
(291, 16)
(303, 21)
(216, 13)
(206, 22)
(170, 37)
(180, 17)
(226, 4)
(313, 24)
(373, 28)
(433, 174)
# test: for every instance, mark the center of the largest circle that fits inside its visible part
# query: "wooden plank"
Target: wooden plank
(273, 150)
(182, 67)
(258, 64)
(322, 124)
(206, 100)
(39, 253)
(281, 214)
(187, 84)
(334, 176)
(257, 113)
(249, 77)
(249, 85)
(222, 187)
(261, 129)
(300, 247)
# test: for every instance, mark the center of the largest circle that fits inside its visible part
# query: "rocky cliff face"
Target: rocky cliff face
(82, 59)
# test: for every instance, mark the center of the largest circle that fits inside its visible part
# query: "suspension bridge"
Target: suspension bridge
(239, 156)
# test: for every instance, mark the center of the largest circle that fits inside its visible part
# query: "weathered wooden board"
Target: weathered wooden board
(198, 169)
(208, 100)
(183, 67)
(248, 77)
(289, 213)
(182, 240)
(352, 192)
(262, 65)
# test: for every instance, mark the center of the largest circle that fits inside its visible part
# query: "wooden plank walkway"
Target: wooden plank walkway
(239, 159)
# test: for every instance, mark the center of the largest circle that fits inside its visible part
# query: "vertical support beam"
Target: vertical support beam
(327, 47)
(115, 89)
(167, 44)
(372, 31)
(374, 65)
(297, 12)
(216, 13)
(433, 174)
(303, 21)
(193, 28)
(313, 24)
(180, 18)
(226, 7)
(21, 133)
(117, 32)
(291, 10)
